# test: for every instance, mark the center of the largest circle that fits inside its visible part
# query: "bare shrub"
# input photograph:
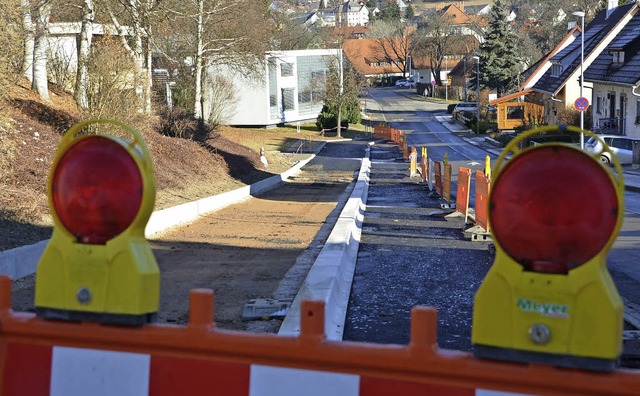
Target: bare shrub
(11, 41)
(111, 89)
(568, 116)
(178, 123)
(221, 98)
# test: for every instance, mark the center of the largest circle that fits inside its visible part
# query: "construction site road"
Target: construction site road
(262, 247)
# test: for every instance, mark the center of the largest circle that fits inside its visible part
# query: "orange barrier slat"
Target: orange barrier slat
(446, 188)
(462, 194)
(483, 186)
(420, 365)
(438, 176)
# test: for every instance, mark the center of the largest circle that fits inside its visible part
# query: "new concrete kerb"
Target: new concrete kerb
(330, 277)
(22, 261)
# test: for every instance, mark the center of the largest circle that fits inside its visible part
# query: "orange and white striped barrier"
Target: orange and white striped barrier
(41, 357)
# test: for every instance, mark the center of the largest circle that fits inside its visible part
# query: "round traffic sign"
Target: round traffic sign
(433, 82)
(582, 103)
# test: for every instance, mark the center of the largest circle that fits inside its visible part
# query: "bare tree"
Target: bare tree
(435, 36)
(82, 71)
(29, 40)
(220, 32)
(393, 44)
(137, 14)
(39, 82)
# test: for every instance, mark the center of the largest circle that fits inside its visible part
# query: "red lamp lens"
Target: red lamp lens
(96, 189)
(553, 209)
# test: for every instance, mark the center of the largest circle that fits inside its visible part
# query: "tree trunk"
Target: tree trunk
(29, 29)
(197, 106)
(40, 83)
(82, 71)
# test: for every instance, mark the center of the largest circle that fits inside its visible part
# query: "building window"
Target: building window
(638, 111)
(288, 103)
(286, 69)
(618, 57)
(599, 105)
(556, 69)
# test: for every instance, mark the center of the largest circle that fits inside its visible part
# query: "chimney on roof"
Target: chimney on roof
(461, 6)
(611, 6)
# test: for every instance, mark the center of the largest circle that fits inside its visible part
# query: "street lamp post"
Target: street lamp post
(446, 79)
(581, 15)
(477, 59)
(464, 61)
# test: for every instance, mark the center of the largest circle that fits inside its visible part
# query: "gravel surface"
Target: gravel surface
(410, 254)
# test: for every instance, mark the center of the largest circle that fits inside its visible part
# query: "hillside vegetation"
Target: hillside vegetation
(185, 169)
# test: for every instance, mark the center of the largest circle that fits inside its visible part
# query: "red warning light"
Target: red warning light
(553, 209)
(96, 189)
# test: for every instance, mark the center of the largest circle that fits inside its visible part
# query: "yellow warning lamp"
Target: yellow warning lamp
(98, 265)
(548, 298)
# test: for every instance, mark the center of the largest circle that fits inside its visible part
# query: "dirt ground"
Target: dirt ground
(243, 251)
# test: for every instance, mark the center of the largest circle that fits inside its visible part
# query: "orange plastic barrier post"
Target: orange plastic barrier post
(462, 195)
(446, 188)
(438, 177)
(483, 186)
(41, 357)
(405, 149)
(413, 162)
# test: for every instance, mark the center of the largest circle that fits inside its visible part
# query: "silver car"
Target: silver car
(621, 146)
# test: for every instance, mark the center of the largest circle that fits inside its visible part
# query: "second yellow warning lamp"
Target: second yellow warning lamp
(98, 266)
(555, 211)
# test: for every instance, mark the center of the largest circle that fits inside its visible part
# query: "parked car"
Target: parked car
(404, 82)
(621, 146)
(464, 107)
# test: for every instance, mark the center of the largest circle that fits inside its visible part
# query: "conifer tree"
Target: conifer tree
(500, 64)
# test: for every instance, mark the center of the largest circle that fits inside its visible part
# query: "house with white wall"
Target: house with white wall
(615, 76)
(554, 81)
(64, 40)
(290, 87)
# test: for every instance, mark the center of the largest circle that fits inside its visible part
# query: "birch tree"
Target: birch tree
(29, 39)
(40, 83)
(82, 71)
(137, 14)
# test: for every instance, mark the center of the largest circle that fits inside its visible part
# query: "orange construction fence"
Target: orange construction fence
(446, 187)
(462, 194)
(483, 187)
(438, 177)
(41, 357)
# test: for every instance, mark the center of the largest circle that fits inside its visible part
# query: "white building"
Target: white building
(290, 88)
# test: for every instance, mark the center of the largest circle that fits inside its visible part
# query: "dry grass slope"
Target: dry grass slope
(185, 170)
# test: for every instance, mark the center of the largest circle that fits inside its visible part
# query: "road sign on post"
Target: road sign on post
(549, 280)
(582, 104)
(98, 265)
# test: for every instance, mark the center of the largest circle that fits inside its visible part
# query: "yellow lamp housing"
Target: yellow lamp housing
(98, 266)
(548, 298)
